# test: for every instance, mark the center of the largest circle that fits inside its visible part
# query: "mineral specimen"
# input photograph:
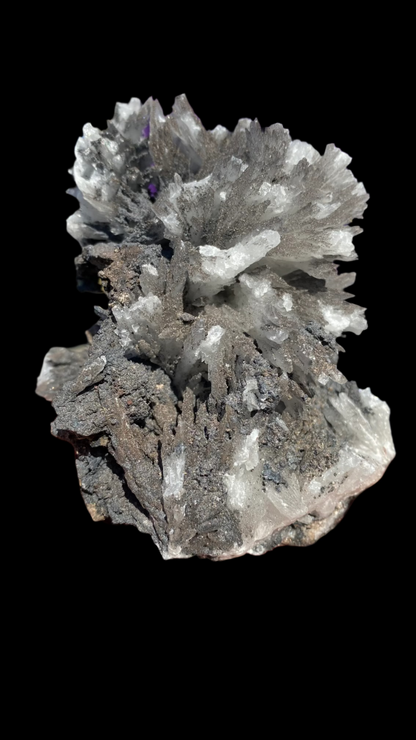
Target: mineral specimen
(207, 408)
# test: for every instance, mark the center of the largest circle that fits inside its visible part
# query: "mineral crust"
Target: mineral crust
(206, 408)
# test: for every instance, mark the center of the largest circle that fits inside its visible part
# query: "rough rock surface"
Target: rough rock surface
(207, 408)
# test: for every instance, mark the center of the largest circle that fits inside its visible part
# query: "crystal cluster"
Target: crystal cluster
(206, 408)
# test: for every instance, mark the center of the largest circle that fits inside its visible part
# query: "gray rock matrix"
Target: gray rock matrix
(206, 408)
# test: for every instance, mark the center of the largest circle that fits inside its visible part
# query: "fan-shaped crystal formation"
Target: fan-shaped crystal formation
(207, 408)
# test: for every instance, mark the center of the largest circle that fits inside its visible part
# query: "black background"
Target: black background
(342, 91)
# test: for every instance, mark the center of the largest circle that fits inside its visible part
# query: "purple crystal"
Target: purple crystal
(152, 190)
(146, 131)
